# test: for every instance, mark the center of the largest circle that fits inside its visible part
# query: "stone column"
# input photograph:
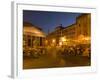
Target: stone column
(31, 41)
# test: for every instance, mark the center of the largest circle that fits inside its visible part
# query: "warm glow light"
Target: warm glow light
(81, 37)
(46, 41)
(60, 43)
(63, 39)
(53, 41)
(87, 38)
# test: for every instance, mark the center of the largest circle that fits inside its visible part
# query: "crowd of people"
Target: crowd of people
(78, 50)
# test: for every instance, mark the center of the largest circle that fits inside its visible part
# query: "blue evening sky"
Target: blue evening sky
(49, 20)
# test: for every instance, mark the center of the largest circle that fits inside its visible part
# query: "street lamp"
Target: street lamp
(60, 43)
(63, 39)
(53, 40)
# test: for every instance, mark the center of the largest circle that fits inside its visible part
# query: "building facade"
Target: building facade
(33, 37)
(83, 29)
(79, 32)
(83, 23)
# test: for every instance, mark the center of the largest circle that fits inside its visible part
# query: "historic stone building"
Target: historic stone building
(83, 29)
(83, 23)
(32, 36)
(70, 31)
(54, 37)
(79, 32)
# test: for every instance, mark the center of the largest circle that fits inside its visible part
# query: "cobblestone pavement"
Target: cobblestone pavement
(48, 61)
